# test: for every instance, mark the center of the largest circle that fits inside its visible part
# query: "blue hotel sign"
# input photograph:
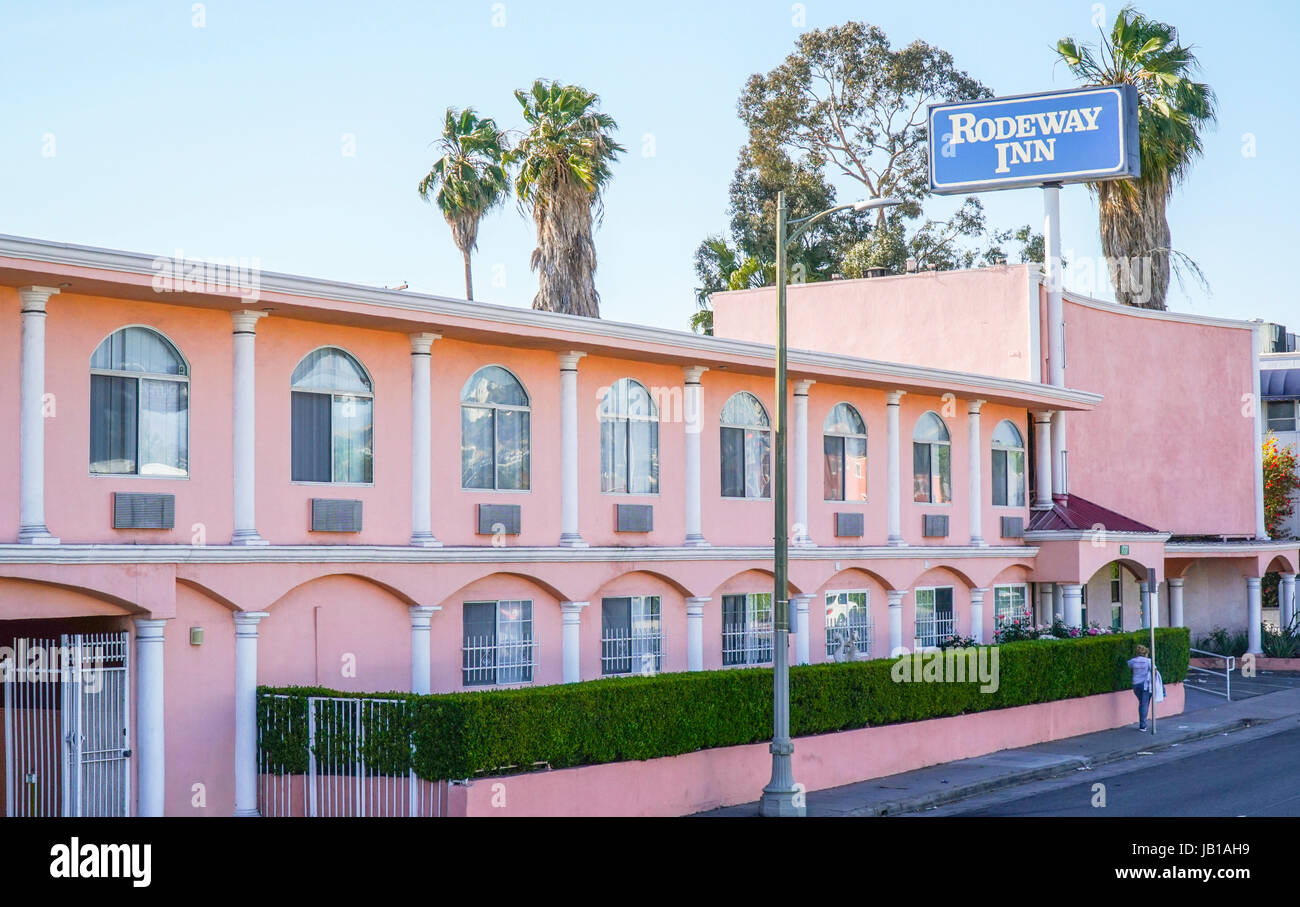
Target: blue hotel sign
(1073, 136)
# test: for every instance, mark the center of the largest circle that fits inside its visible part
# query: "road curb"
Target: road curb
(1061, 769)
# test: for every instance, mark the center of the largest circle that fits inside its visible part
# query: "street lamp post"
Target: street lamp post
(781, 796)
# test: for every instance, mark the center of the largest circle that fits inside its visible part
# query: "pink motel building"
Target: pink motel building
(295, 481)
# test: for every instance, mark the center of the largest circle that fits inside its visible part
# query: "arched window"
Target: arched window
(844, 442)
(333, 419)
(629, 439)
(139, 406)
(746, 448)
(494, 431)
(931, 461)
(1008, 466)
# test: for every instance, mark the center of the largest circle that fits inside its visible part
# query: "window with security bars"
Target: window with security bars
(631, 637)
(934, 617)
(747, 629)
(1011, 603)
(498, 643)
(848, 625)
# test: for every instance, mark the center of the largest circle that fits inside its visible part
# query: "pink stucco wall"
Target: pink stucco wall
(1173, 443)
(708, 779)
(967, 321)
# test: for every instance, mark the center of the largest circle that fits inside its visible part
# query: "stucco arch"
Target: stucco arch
(25, 598)
(755, 574)
(402, 597)
(532, 580)
(851, 575)
(595, 595)
(1283, 562)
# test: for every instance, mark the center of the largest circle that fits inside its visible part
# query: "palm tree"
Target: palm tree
(564, 163)
(469, 180)
(1173, 112)
(720, 268)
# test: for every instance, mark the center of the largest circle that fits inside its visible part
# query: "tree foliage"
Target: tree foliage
(1281, 481)
(563, 165)
(468, 180)
(846, 105)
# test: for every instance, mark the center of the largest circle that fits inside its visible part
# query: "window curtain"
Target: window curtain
(617, 636)
(733, 463)
(999, 478)
(833, 475)
(311, 437)
(733, 629)
(921, 472)
(479, 639)
(643, 457)
(113, 429)
(164, 428)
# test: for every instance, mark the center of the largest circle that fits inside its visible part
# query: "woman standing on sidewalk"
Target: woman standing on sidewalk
(1140, 665)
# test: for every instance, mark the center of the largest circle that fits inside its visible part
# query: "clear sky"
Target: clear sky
(126, 126)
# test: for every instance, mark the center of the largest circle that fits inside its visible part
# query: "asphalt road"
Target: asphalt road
(1247, 773)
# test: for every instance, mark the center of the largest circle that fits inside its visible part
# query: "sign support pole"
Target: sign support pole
(1055, 324)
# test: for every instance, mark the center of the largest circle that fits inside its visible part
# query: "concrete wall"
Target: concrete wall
(708, 779)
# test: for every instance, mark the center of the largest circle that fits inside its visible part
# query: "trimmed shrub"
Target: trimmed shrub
(458, 735)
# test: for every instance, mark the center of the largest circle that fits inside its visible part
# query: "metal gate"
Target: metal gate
(68, 726)
(334, 757)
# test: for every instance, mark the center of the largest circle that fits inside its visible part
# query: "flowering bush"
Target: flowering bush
(1015, 630)
(957, 641)
(1280, 483)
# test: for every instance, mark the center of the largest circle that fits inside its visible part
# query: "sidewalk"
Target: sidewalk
(945, 783)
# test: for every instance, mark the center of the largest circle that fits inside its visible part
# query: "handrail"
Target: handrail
(1229, 665)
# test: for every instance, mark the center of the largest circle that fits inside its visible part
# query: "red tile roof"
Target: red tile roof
(1073, 513)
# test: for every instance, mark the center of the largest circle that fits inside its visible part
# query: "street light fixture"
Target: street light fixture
(781, 797)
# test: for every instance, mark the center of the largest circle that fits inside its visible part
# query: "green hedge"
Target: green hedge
(458, 735)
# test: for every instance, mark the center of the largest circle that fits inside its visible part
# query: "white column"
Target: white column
(149, 747)
(244, 429)
(802, 644)
(1072, 593)
(246, 711)
(422, 442)
(695, 633)
(801, 534)
(1176, 601)
(693, 416)
(421, 626)
(570, 537)
(1144, 600)
(1046, 596)
(895, 621)
(977, 614)
(572, 640)
(1254, 607)
(1286, 599)
(1058, 602)
(1060, 462)
(893, 453)
(31, 418)
(975, 481)
(1043, 460)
